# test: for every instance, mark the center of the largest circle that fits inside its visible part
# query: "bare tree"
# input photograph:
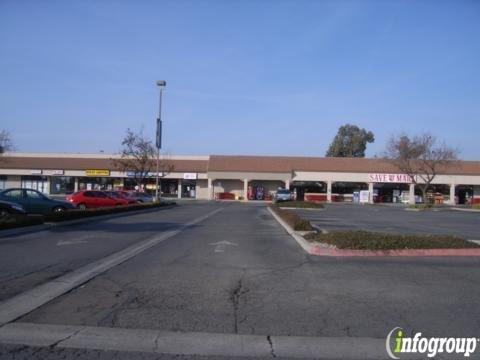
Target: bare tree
(138, 158)
(420, 157)
(5, 141)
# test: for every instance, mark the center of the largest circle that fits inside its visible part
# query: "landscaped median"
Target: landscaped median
(299, 205)
(76, 214)
(365, 243)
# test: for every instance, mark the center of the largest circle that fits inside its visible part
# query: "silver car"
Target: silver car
(283, 195)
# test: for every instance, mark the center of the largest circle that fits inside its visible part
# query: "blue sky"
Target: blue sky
(243, 77)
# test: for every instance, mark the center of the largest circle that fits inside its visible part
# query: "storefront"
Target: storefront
(62, 185)
(35, 182)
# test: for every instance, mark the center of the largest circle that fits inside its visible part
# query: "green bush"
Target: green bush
(292, 219)
(422, 206)
(300, 204)
(365, 240)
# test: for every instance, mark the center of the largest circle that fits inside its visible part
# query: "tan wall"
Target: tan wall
(202, 189)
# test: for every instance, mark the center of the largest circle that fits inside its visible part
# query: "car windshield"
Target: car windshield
(283, 192)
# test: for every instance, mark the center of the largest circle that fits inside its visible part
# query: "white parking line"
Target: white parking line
(29, 300)
(189, 343)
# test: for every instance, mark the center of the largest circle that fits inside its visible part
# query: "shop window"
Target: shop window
(95, 183)
(39, 183)
(62, 185)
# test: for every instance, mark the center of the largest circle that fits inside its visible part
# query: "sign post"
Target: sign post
(158, 138)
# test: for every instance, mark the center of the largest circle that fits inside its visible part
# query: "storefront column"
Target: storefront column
(329, 191)
(75, 185)
(179, 191)
(411, 195)
(370, 193)
(452, 194)
(245, 189)
(210, 189)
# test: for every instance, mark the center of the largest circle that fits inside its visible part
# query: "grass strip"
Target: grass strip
(366, 240)
(296, 222)
(300, 204)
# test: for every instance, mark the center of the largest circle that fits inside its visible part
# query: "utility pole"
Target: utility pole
(161, 84)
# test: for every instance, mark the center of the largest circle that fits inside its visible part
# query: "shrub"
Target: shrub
(365, 240)
(300, 204)
(296, 222)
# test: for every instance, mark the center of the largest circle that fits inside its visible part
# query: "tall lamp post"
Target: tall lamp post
(161, 84)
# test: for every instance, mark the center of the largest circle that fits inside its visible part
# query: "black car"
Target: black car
(34, 202)
(8, 208)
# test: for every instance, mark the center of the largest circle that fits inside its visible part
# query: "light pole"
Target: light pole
(161, 84)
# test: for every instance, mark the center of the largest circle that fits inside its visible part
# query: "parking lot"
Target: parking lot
(395, 219)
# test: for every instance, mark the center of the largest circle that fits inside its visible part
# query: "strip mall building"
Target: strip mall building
(242, 177)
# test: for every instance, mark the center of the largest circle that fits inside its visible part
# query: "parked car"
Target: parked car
(94, 199)
(121, 196)
(140, 197)
(8, 208)
(283, 195)
(34, 202)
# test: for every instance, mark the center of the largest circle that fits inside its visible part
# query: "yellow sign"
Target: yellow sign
(96, 172)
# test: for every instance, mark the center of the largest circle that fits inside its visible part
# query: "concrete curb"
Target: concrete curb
(333, 251)
(50, 225)
(466, 210)
(308, 247)
(309, 209)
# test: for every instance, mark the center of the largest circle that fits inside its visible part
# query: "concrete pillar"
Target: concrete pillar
(329, 191)
(179, 191)
(370, 193)
(287, 184)
(75, 185)
(210, 189)
(245, 189)
(411, 195)
(452, 194)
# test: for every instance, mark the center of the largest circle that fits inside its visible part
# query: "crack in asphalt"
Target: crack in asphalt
(235, 299)
(270, 342)
(55, 344)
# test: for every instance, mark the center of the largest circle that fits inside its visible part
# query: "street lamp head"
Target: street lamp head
(161, 83)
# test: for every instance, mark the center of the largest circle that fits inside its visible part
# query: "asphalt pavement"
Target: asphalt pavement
(395, 219)
(236, 272)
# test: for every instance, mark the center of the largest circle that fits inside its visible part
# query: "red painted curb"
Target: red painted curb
(315, 250)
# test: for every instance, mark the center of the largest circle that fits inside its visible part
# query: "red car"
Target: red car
(93, 199)
(122, 195)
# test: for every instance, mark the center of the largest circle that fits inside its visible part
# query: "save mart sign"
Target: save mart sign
(389, 178)
(97, 172)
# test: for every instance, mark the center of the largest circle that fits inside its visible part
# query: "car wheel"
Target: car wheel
(59, 209)
(82, 206)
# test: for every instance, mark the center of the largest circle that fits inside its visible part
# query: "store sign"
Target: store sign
(58, 172)
(190, 176)
(389, 178)
(147, 174)
(36, 172)
(96, 172)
